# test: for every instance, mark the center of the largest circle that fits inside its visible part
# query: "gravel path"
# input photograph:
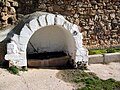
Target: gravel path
(34, 79)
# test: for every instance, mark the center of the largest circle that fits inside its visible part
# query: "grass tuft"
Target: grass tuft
(13, 70)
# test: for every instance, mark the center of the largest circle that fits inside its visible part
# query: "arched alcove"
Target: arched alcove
(50, 44)
(47, 32)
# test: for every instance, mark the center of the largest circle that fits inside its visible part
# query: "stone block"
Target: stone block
(15, 4)
(8, 4)
(12, 10)
(23, 40)
(34, 25)
(42, 20)
(26, 32)
(4, 18)
(60, 20)
(22, 47)
(50, 19)
(68, 26)
(12, 48)
(15, 38)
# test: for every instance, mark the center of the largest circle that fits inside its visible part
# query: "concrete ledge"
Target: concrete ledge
(112, 57)
(104, 58)
(93, 59)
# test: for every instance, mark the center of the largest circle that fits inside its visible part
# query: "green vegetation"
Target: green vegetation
(15, 70)
(102, 51)
(88, 80)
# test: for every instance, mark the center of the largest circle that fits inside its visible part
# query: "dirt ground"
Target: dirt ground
(45, 79)
(106, 71)
(33, 79)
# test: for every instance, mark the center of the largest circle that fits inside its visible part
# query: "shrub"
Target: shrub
(111, 50)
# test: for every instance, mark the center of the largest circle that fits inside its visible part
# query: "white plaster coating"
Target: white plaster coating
(60, 20)
(15, 38)
(70, 44)
(48, 39)
(12, 48)
(14, 59)
(68, 26)
(75, 28)
(50, 19)
(34, 24)
(23, 40)
(26, 32)
(42, 20)
(22, 47)
(73, 43)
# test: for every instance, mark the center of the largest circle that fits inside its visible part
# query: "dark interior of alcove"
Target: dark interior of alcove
(46, 55)
(49, 59)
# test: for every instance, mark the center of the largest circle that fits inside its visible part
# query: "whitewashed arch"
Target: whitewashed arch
(16, 50)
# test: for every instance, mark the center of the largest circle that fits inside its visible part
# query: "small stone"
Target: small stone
(12, 10)
(15, 4)
(50, 9)
(4, 18)
(8, 4)
(76, 16)
(4, 23)
(4, 9)
(112, 15)
(3, 14)
(73, 11)
(73, 2)
(10, 0)
(58, 8)
(69, 7)
(42, 6)
(86, 27)
(77, 21)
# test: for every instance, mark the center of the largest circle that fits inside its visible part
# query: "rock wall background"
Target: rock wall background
(2, 51)
(99, 19)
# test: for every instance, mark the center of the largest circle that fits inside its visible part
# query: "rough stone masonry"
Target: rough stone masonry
(99, 19)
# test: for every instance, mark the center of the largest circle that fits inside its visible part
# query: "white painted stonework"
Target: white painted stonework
(50, 33)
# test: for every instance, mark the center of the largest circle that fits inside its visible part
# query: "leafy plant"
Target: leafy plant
(13, 70)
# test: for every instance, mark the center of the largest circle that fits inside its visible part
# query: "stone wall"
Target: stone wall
(99, 19)
(7, 12)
